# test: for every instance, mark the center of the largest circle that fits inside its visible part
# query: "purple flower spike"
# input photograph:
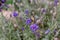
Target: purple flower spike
(18, 0)
(34, 27)
(37, 34)
(15, 14)
(26, 11)
(43, 10)
(55, 31)
(28, 21)
(55, 2)
(23, 28)
(47, 31)
(3, 1)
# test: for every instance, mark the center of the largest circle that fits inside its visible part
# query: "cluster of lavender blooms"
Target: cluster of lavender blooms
(33, 20)
(1, 2)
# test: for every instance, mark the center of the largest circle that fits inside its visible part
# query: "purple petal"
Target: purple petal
(47, 31)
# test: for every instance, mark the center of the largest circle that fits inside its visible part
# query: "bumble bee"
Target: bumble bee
(33, 19)
(41, 25)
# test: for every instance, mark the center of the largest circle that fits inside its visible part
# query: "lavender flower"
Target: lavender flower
(34, 27)
(28, 21)
(55, 31)
(37, 34)
(43, 10)
(47, 31)
(55, 2)
(26, 11)
(3, 1)
(15, 14)
(18, 0)
(23, 28)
